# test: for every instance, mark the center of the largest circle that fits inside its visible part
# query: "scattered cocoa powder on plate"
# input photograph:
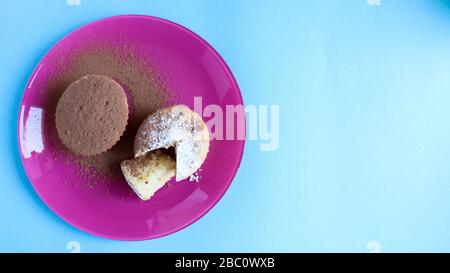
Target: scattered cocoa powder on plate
(146, 92)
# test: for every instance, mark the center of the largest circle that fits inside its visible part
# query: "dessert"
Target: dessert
(91, 115)
(148, 173)
(177, 128)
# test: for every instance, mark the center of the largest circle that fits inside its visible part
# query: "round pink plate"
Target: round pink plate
(192, 69)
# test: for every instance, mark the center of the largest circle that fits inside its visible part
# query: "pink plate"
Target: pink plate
(192, 68)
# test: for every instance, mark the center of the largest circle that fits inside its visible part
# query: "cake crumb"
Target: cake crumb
(194, 178)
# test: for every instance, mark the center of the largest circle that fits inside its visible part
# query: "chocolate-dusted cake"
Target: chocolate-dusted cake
(91, 115)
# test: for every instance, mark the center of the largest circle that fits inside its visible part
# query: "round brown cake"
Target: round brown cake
(91, 115)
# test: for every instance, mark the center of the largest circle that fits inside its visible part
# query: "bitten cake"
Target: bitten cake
(177, 128)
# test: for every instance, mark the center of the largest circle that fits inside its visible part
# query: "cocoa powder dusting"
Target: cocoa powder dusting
(146, 92)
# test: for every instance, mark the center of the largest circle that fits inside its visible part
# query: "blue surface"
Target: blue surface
(364, 94)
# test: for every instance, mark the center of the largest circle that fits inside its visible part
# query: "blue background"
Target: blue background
(364, 95)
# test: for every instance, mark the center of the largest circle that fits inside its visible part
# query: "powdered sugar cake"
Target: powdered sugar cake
(175, 127)
(178, 127)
